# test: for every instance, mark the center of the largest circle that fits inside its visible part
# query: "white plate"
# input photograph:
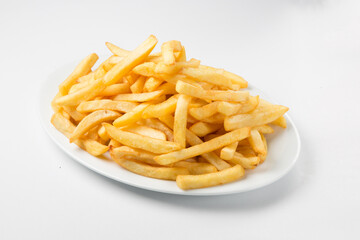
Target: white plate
(284, 148)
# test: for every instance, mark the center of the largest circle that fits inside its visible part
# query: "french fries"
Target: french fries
(181, 120)
(186, 182)
(162, 116)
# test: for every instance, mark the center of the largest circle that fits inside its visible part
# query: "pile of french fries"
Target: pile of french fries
(163, 116)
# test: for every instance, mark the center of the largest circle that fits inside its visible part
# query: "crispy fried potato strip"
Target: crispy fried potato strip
(232, 174)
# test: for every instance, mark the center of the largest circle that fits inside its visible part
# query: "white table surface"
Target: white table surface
(305, 53)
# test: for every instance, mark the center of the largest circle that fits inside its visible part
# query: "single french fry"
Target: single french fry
(115, 59)
(191, 90)
(227, 153)
(94, 147)
(132, 153)
(235, 79)
(263, 156)
(138, 86)
(232, 174)
(138, 141)
(264, 129)
(102, 134)
(130, 61)
(245, 162)
(202, 129)
(205, 147)
(151, 171)
(213, 76)
(82, 69)
(138, 97)
(117, 50)
(152, 83)
(196, 168)
(256, 141)
(145, 131)
(266, 115)
(131, 117)
(115, 89)
(91, 121)
(161, 109)
(281, 122)
(105, 104)
(157, 124)
(83, 94)
(204, 111)
(181, 120)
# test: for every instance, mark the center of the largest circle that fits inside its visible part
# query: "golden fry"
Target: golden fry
(181, 120)
(264, 116)
(202, 129)
(138, 141)
(186, 182)
(191, 90)
(227, 153)
(151, 171)
(196, 168)
(138, 97)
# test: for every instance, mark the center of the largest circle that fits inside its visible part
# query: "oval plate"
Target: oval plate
(283, 151)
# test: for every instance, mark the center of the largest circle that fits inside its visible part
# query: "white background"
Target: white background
(304, 53)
